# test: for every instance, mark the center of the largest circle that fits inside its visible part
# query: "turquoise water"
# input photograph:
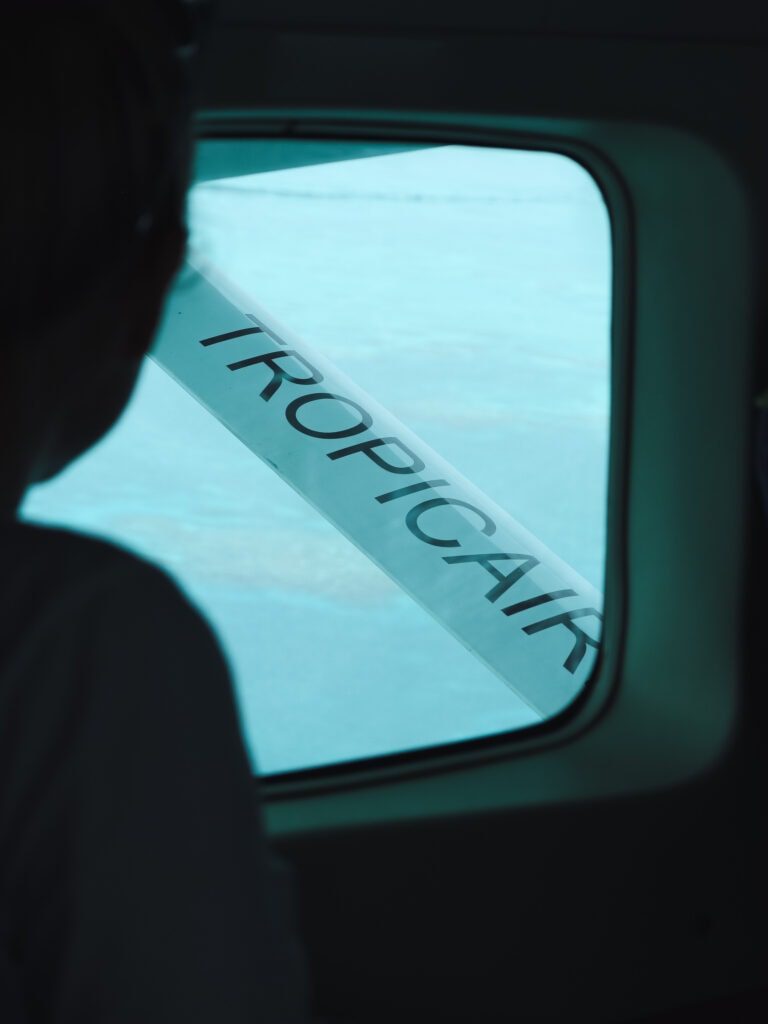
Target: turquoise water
(468, 291)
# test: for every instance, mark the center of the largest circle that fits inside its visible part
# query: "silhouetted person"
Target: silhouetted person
(135, 882)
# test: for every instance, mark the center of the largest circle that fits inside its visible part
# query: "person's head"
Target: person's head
(95, 164)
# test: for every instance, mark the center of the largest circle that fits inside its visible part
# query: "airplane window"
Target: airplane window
(371, 440)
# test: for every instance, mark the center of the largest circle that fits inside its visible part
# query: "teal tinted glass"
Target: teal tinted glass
(372, 442)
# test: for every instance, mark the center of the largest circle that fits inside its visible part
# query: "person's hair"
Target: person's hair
(96, 148)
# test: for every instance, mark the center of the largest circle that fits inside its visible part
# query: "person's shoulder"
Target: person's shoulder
(46, 566)
(63, 590)
(30, 549)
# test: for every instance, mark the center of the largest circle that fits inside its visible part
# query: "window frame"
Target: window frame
(637, 727)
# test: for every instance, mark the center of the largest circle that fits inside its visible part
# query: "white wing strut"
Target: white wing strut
(490, 582)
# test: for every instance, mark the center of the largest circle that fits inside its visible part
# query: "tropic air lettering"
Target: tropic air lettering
(391, 455)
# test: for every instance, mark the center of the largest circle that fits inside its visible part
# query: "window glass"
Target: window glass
(414, 343)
